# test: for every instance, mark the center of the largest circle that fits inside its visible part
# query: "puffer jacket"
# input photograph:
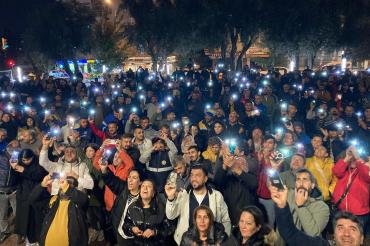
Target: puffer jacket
(267, 237)
(357, 199)
(216, 236)
(151, 218)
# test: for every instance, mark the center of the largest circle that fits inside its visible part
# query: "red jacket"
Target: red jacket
(357, 199)
(121, 172)
(262, 190)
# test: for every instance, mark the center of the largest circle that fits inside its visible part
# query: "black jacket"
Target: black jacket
(146, 218)
(119, 188)
(216, 236)
(77, 227)
(238, 191)
(290, 234)
(236, 239)
(31, 176)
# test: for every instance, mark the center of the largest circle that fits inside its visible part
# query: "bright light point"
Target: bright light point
(344, 64)
(47, 112)
(283, 106)
(324, 73)
(140, 87)
(169, 98)
(74, 77)
(72, 101)
(96, 89)
(236, 79)
(291, 66)
(188, 84)
(279, 130)
(134, 109)
(141, 97)
(265, 82)
(42, 99)
(170, 85)
(71, 120)
(208, 106)
(210, 83)
(105, 68)
(237, 74)
(244, 79)
(19, 74)
(234, 96)
(107, 100)
(359, 114)
(11, 94)
(312, 74)
(354, 142)
(321, 110)
(181, 78)
(268, 76)
(162, 105)
(92, 111)
(120, 110)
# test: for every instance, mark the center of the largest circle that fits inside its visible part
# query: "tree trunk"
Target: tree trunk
(234, 41)
(239, 63)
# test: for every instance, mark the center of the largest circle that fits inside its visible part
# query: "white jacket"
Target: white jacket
(180, 207)
(84, 179)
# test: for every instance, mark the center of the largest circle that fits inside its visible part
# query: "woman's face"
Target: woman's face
(195, 130)
(202, 221)
(147, 190)
(288, 139)
(27, 162)
(247, 225)
(218, 128)
(5, 118)
(90, 153)
(29, 122)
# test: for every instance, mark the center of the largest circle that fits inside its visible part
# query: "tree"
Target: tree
(58, 30)
(108, 45)
(155, 27)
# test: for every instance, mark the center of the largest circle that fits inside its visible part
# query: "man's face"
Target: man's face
(144, 123)
(27, 137)
(292, 109)
(269, 144)
(316, 142)
(180, 169)
(70, 155)
(139, 134)
(349, 111)
(233, 118)
(171, 116)
(125, 143)
(367, 113)
(193, 154)
(347, 233)
(197, 179)
(112, 129)
(296, 162)
(258, 99)
(154, 100)
(303, 181)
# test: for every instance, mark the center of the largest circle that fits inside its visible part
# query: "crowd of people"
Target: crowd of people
(201, 157)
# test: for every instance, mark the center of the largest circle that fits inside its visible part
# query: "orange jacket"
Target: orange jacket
(121, 172)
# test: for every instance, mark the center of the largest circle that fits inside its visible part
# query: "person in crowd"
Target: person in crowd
(69, 165)
(182, 204)
(64, 222)
(85, 133)
(205, 230)
(119, 162)
(213, 150)
(309, 211)
(29, 173)
(251, 230)
(110, 133)
(127, 192)
(8, 187)
(144, 220)
(348, 229)
(181, 172)
(149, 132)
(3, 142)
(351, 192)
(158, 160)
(320, 165)
(334, 140)
(236, 177)
(267, 162)
(10, 125)
(288, 177)
(218, 130)
(196, 158)
(29, 140)
(234, 129)
(144, 144)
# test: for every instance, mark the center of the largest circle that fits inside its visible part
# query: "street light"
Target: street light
(109, 2)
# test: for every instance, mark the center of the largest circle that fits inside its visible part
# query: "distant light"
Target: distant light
(105, 67)
(291, 66)
(344, 64)
(19, 74)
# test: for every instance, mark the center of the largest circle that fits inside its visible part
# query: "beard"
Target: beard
(197, 186)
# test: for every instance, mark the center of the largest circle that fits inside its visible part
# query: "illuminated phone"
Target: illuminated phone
(275, 179)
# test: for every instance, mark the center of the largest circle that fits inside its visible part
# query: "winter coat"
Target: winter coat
(120, 206)
(215, 236)
(290, 234)
(84, 179)
(257, 239)
(238, 190)
(25, 220)
(179, 208)
(145, 218)
(322, 170)
(121, 171)
(357, 199)
(77, 227)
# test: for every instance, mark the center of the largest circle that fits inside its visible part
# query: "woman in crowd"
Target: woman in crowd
(144, 219)
(252, 230)
(218, 130)
(30, 173)
(205, 231)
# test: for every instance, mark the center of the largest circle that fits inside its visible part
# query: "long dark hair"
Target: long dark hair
(209, 214)
(27, 154)
(259, 220)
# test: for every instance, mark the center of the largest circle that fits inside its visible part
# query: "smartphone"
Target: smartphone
(278, 156)
(55, 175)
(232, 145)
(14, 157)
(171, 180)
(275, 179)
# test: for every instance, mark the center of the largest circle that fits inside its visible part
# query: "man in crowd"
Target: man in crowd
(182, 204)
(288, 177)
